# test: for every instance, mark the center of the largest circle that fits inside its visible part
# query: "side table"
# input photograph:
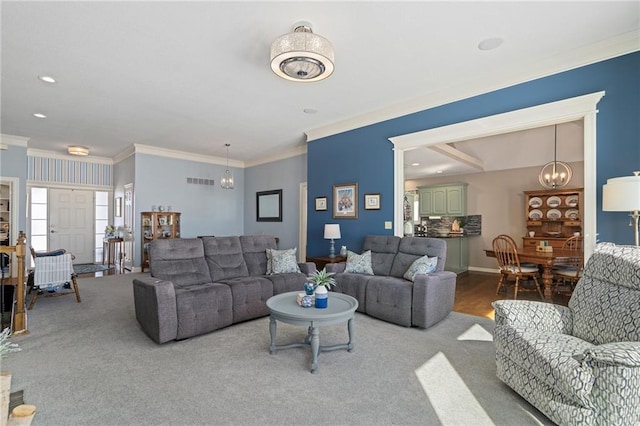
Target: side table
(112, 244)
(321, 261)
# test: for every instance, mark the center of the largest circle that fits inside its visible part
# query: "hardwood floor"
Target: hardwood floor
(476, 290)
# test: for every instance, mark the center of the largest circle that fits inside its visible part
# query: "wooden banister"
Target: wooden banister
(19, 323)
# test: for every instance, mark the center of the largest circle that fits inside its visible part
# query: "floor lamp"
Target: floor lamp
(623, 195)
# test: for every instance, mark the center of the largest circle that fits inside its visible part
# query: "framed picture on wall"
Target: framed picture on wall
(269, 206)
(321, 203)
(345, 201)
(372, 201)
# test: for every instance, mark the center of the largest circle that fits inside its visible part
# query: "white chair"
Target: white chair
(53, 275)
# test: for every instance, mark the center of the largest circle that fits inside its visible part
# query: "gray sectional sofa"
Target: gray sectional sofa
(197, 285)
(388, 296)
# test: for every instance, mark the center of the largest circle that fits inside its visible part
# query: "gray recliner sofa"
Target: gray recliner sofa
(388, 296)
(198, 285)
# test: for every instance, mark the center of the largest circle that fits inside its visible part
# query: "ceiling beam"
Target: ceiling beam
(456, 154)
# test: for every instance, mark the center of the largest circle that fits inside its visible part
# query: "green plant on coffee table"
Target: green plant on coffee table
(323, 278)
(7, 347)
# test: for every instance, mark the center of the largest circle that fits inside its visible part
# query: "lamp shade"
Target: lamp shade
(621, 194)
(331, 231)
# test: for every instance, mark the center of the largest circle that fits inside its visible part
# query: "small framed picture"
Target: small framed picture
(321, 203)
(345, 201)
(162, 221)
(372, 201)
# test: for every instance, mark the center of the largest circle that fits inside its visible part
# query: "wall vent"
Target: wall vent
(200, 181)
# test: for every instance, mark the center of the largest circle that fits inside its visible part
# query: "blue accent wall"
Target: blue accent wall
(365, 155)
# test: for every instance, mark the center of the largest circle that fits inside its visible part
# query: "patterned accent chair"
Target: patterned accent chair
(579, 365)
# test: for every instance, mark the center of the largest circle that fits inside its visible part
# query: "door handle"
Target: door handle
(53, 232)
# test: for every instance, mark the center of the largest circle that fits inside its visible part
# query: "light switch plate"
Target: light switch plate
(388, 224)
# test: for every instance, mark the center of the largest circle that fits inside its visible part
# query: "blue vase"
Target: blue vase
(322, 297)
(309, 288)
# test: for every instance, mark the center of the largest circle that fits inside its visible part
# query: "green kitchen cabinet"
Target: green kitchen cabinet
(443, 200)
(457, 255)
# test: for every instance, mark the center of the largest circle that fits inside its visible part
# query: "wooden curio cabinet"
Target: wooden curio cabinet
(157, 225)
(553, 215)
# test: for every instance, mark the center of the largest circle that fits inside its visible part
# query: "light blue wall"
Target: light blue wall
(205, 210)
(618, 141)
(287, 175)
(123, 173)
(13, 163)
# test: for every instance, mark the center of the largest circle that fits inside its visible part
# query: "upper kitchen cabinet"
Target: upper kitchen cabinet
(443, 200)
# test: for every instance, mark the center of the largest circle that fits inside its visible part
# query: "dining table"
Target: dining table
(546, 260)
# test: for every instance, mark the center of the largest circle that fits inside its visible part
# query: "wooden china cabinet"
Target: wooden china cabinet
(553, 215)
(157, 225)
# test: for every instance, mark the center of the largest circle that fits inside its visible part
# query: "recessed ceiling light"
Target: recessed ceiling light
(490, 43)
(309, 110)
(415, 164)
(438, 171)
(47, 79)
(39, 115)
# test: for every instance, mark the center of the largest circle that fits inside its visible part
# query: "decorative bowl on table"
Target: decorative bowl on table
(443, 232)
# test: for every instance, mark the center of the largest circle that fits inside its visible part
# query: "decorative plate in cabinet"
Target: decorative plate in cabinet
(535, 202)
(572, 214)
(571, 200)
(554, 214)
(535, 214)
(553, 202)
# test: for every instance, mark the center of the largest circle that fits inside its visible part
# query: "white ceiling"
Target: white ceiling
(192, 76)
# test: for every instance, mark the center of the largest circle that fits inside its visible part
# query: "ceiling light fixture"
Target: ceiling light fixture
(302, 55)
(78, 150)
(47, 79)
(39, 115)
(555, 174)
(227, 177)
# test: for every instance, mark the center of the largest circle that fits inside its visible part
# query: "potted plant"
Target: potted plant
(321, 280)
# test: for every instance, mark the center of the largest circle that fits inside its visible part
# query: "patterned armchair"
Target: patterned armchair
(579, 365)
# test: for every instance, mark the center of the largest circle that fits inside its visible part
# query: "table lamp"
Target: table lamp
(623, 195)
(332, 232)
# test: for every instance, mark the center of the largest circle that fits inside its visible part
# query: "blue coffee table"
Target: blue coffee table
(283, 307)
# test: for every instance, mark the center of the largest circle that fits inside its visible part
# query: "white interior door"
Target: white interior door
(71, 223)
(128, 227)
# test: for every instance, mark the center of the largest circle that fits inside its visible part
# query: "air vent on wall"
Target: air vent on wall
(200, 181)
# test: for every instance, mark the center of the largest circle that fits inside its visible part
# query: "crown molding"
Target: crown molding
(608, 49)
(32, 152)
(293, 152)
(124, 154)
(14, 140)
(182, 155)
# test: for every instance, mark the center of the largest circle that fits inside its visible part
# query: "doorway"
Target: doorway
(71, 222)
(581, 107)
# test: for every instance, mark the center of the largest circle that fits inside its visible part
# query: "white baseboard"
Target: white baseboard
(479, 269)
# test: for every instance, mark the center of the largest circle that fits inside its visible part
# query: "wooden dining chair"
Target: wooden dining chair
(567, 274)
(509, 264)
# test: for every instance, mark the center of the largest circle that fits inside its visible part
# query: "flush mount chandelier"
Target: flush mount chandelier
(555, 174)
(302, 55)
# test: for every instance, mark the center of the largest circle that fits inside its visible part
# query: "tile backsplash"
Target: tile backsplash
(472, 224)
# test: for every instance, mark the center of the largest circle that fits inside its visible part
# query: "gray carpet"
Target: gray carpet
(90, 364)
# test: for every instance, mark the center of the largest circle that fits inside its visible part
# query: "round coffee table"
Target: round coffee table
(283, 307)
